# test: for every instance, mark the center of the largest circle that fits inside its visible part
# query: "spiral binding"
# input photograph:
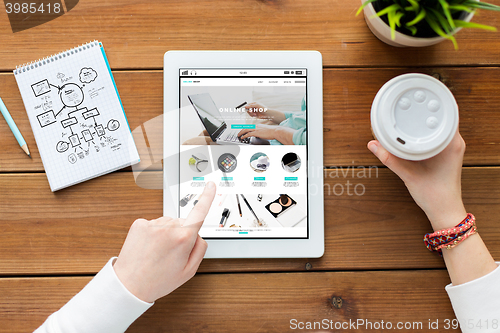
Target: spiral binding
(24, 68)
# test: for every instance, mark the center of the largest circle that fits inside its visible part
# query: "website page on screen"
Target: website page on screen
(245, 130)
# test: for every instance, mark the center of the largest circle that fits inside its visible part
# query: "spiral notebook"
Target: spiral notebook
(76, 115)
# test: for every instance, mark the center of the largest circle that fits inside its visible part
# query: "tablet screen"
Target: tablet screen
(245, 130)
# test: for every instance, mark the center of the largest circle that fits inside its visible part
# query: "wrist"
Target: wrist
(284, 135)
(451, 237)
(269, 115)
(447, 218)
(131, 284)
(277, 133)
(278, 116)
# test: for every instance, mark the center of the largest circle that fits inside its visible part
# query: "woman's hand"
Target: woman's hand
(267, 132)
(160, 255)
(256, 110)
(259, 111)
(434, 184)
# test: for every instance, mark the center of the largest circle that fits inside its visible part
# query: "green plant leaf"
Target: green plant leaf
(414, 4)
(439, 19)
(433, 24)
(387, 10)
(392, 24)
(481, 5)
(418, 18)
(397, 17)
(412, 29)
(461, 8)
(366, 3)
(463, 24)
(447, 13)
(394, 20)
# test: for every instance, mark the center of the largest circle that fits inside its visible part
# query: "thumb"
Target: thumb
(396, 164)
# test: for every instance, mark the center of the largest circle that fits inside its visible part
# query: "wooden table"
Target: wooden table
(375, 265)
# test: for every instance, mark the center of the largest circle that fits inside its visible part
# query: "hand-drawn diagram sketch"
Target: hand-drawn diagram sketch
(84, 128)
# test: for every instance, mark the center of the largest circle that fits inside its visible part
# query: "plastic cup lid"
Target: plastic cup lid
(414, 116)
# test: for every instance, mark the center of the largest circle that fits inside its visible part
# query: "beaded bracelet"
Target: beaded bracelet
(447, 235)
(453, 236)
(457, 241)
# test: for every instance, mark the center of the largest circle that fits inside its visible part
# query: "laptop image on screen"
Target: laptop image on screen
(214, 123)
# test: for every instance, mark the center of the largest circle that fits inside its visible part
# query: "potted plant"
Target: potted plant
(421, 22)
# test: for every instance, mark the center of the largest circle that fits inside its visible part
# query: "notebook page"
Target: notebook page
(76, 116)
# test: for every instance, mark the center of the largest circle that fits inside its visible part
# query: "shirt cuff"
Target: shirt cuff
(104, 305)
(299, 137)
(476, 303)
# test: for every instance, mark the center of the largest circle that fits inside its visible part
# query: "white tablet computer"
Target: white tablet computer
(251, 122)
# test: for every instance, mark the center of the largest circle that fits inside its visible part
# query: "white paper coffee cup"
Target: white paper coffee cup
(414, 116)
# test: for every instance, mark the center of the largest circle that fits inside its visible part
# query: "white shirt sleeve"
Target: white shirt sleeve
(103, 306)
(477, 303)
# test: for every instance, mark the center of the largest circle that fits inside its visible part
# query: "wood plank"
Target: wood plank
(348, 94)
(255, 302)
(76, 230)
(136, 35)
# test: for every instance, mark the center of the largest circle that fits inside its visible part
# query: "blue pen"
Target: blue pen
(13, 128)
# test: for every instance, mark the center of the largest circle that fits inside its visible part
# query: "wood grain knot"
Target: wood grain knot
(308, 266)
(337, 302)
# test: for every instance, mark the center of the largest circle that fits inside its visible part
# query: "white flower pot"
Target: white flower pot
(383, 32)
